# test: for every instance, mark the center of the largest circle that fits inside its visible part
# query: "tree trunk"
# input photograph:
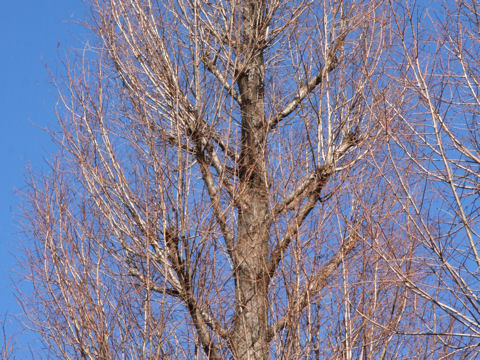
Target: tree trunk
(251, 251)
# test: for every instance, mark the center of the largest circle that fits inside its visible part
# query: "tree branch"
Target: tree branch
(310, 188)
(201, 319)
(320, 280)
(292, 199)
(305, 90)
(314, 189)
(183, 291)
(216, 71)
(214, 194)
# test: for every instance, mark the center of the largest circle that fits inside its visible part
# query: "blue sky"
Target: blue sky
(34, 34)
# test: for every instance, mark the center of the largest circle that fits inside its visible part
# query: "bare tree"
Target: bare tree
(441, 76)
(219, 192)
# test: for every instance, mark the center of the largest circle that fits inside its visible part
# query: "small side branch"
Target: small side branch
(294, 198)
(214, 193)
(316, 178)
(313, 190)
(304, 91)
(216, 71)
(202, 320)
(320, 281)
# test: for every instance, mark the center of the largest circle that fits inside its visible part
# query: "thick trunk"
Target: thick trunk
(251, 250)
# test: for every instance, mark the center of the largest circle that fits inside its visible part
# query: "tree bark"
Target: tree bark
(250, 333)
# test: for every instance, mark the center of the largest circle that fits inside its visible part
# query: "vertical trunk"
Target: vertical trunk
(251, 251)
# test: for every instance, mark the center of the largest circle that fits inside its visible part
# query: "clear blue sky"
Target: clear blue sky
(30, 32)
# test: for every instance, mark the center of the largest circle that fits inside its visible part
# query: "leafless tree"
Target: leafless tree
(441, 76)
(220, 188)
